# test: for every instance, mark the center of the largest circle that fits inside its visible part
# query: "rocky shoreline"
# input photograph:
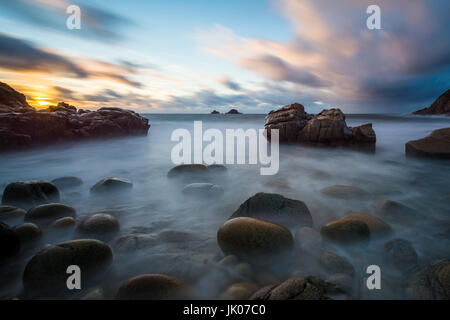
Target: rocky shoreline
(270, 248)
(22, 126)
(439, 107)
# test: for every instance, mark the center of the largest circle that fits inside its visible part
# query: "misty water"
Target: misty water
(156, 203)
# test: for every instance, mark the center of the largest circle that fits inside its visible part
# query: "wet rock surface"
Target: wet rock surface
(107, 186)
(49, 212)
(309, 288)
(8, 213)
(347, 232)
(401, 254)
(28, 232)
(254, 240)
(102, 225)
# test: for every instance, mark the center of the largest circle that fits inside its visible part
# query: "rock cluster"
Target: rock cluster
(23, 126)
(326, 128)
(435, 145)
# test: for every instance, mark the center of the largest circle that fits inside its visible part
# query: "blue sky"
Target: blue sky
(254, 55)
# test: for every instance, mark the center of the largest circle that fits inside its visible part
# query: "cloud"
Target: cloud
(17, 54)
(21, 55)
(333, 57)
(96, 23)
(230, 84)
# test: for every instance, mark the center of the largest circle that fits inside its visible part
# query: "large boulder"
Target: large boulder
(326, 128)
(436, 145)
(307, 288)
(28, 232)
(27, 126)
(46, 272)
(9, 242)
(441, 106)
(378, 228)
(26, 194)
(101, 225)
(152, 287)
(431, 283)
(275, 208)
(253, 240)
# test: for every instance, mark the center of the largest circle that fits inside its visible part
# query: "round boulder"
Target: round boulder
(152, 287)
(48, 212)
(28, 232)
(275, 208)
(344, 192)
(46, 272)
(101, 225)
(378, 228)
(346, 232)
(111, 185)
(62, 223)
(9, 242)
(67, 182)
(27, 194)
(253, 240)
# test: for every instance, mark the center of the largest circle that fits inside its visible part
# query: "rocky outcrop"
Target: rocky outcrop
(439, 107)
(23, 126)
(326, 128)
(233, 111)
(215, 112)
(436, 145)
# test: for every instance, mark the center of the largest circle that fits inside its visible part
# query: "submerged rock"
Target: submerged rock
(67, 182)
(101, 225)
(344, 192)
(189, 172)
(397, 212)
(152, 287)
(308, 240)
(111, 185)
(63, 223)
(48, 212)
(326, 128)
(439, 107)
(436, 145)
(401, 254)
(347, 231)
(28, 232)
(203, 190)
(46, 272)
(275, 208)
(431, 283)
(308, 288)
(27, 194)
(11, 213)
(26, 126)
(9, 242)
(253, 240)
(335, 264)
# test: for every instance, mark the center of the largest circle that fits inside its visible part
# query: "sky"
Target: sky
(177, 56)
